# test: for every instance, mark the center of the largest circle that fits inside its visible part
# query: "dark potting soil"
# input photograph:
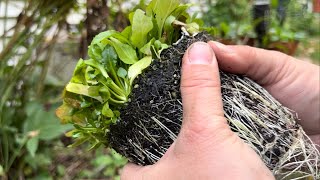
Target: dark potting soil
(151, 121)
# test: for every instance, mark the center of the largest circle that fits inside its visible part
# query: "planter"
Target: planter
(286, 47)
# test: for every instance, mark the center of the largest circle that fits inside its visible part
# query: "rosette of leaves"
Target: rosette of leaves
(127, 96)
(101, 85)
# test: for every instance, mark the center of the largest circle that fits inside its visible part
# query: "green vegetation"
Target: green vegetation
(101, 85)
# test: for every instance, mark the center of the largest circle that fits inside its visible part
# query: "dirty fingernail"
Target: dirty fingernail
(200, 53)
(223, 47)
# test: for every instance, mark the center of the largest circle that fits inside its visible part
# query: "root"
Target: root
(152, 120)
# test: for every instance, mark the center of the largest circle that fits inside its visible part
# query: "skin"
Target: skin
(294, 83)
(206, 148)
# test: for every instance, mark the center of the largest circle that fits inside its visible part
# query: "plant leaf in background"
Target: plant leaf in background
(43, 121)
(32, 145)
(141, 26)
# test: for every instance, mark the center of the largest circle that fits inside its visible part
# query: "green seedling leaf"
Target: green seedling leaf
(141, 26)
(95, 64)
(146, 49)
(127, 32)
(193, 28)
(109, 54)
(104, 93)
(162, 9)
(32, 145)
(90, 75)
(126, 53)
(137, 68)
(106, 111)
(78, 73)
(90, 91)
(103, 36)
(122, 73)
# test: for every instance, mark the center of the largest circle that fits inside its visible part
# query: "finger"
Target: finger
(200, 86)
(292, 82)
(263, 66)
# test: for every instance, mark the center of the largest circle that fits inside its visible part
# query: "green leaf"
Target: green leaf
(137, 68)
(125, 52)
(106, 111)
(90, 75)
(44, 121)
(32, 145)
(141, 26)
(90, 91)
(109, 54)
(122, 72)
(162, 9)
(93, 63)
(104, 93)
(102, 36)
(146, 49)
(127, 32)
(78, 73)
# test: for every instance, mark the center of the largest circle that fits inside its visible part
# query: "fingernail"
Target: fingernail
(223, 47)
(200, 53)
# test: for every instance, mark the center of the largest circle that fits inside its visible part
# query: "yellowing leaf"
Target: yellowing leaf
(90, 91)
(64, 113)
(137, 68)
(141, 25)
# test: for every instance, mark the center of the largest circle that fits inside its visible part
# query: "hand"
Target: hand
(295, 83)
(206, 148)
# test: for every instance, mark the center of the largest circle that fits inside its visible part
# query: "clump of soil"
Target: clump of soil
(150, 123)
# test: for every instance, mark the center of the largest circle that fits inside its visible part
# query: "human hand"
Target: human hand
(206, 148)
(294, 83)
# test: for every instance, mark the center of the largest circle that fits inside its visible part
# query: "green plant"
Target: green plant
(293, 27)
(230, 19)
(27, 99)
(101, 85)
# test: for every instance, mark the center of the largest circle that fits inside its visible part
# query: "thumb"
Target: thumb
(200, 88)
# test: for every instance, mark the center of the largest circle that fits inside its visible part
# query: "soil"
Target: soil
(151, 121)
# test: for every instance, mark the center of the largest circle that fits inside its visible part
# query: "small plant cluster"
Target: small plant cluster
(101, 85)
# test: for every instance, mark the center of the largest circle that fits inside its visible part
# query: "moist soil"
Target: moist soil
(151, 121)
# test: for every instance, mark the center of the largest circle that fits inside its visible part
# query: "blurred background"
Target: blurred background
(41, 41)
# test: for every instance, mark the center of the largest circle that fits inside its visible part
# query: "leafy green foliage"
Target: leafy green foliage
(101, 85)
(141, 26)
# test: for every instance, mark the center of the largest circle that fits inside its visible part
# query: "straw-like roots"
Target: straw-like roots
(152, 120)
